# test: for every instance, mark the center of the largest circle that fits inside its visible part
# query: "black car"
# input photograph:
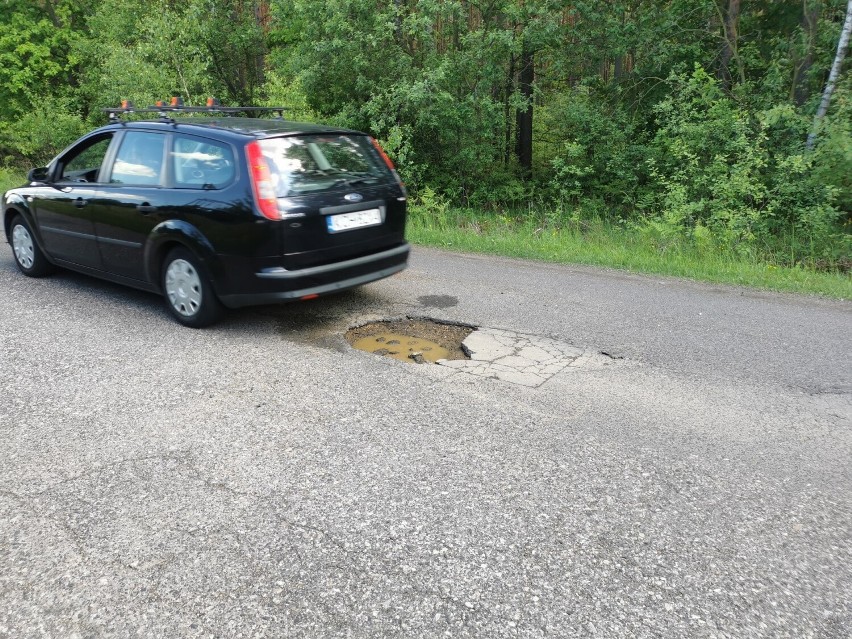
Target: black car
(214, 211)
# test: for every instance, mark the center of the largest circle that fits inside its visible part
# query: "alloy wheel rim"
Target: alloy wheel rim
(183, 287)
(22, 244)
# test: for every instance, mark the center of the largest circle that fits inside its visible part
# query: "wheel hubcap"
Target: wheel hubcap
(22, 243)
(183, 287)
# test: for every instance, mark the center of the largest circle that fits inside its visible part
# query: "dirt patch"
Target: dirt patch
(415, 341)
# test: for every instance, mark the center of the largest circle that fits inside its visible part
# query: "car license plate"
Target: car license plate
(353, 220)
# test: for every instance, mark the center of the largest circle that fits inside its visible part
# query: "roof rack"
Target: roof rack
(176, 105)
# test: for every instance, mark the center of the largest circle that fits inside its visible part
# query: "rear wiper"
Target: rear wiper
(352, 181)
(362, 180)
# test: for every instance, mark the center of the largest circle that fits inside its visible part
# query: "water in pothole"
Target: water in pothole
(402, 347)
(415, 341)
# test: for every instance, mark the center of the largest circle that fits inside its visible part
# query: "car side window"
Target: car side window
(83, 165)
(139, 160)
(199, 163)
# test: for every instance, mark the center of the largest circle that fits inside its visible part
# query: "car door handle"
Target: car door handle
(80, 203)
(146, 208)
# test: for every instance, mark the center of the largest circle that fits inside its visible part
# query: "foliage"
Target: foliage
(745, 176)
(37, 53)
(40, 134)
(656, 116)
(590, 148)
(832, 164)
(152, 49)
(10, 178)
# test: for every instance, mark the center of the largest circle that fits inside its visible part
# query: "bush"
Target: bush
(833, 155)
(744, 176)
(40, 134)
(430, 209)
(439, 138)
(589, 150)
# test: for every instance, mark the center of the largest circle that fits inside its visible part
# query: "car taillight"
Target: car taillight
(261, 182)
(389, 162)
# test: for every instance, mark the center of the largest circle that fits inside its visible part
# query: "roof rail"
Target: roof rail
(176, 105)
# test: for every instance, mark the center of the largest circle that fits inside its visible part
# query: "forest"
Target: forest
(683, 119)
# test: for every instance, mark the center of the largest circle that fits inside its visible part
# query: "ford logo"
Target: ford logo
(353, 197)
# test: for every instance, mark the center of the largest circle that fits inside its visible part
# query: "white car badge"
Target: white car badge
(353, 197)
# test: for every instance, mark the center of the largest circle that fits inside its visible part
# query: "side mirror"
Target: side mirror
(38, 175)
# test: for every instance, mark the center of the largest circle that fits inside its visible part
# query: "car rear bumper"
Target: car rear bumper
(277, 284)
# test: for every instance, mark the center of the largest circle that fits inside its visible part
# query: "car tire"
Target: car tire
(187, 289)
(29, 258)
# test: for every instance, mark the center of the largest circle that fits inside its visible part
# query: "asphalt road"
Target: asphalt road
(262, 479)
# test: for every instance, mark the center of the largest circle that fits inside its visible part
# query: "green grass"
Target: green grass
(630, 248)
(10, 178)
(598, 243)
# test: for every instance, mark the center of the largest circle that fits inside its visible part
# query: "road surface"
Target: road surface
(685, 472)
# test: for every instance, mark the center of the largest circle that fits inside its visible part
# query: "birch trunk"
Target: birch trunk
(842, 45)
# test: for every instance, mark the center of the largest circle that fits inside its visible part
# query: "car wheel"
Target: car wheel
(28, 256)
(189, 295)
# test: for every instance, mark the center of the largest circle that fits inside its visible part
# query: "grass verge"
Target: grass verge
(600, 243)
(10, 178)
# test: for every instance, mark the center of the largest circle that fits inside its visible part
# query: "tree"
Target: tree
(729, 14)
(842, 45)
(808, 23)
(524, 139)
(37, 58)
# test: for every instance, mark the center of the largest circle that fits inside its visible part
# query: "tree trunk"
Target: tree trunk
(808, 23)
(51, 12)
(397, 21)
(524, 117)
(730, 23)
(507, 110)
(842, 45)
(618, 62)
(262, 17)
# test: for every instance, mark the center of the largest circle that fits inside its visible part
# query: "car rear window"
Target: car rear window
(307, 164)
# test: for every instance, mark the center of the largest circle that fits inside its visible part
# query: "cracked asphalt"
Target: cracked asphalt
(263, 479)
(511, 357)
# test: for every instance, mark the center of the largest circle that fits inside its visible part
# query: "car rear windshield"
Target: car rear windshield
(306, 164)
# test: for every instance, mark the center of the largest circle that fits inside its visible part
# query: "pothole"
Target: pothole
(517, 358)
(415, 341)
